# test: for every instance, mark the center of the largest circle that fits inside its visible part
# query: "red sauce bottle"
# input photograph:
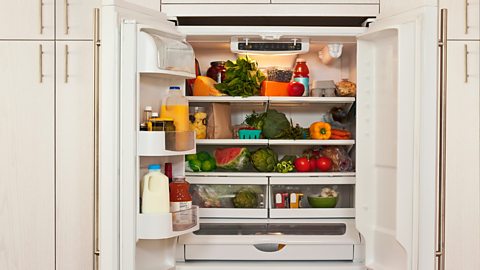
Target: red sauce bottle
(180, 198)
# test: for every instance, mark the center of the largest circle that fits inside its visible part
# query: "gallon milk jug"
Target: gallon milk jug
(175, 106)
(155, 194)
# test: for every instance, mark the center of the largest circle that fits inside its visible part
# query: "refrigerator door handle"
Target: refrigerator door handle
(441, 146)
(96, 89)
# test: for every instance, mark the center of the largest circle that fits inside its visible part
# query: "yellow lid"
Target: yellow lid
(161, 119)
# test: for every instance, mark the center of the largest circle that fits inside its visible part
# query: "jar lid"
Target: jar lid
(154, 114)
(217, 63)
(161, 119)
(148, 108)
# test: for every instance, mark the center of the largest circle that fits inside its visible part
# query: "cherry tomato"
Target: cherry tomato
(324, 164)
(313, 164)
(302, 164)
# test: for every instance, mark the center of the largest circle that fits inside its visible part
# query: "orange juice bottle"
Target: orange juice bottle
(175, 106)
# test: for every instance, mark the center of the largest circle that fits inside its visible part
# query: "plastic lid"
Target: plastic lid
(148, 108)
(154, 167)
(301, 60)
(174, 88)
(154, 114)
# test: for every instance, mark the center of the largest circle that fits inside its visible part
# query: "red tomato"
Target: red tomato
(302, 164)
(295, 89)
(324, 164)
(313, 164)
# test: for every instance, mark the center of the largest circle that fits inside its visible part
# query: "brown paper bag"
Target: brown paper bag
(219, 121)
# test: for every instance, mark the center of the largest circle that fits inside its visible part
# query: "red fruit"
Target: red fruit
(313, 164)
(324, 164)
(302, 164)
(295, 89)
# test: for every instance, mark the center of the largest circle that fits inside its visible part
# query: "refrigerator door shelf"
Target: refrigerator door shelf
(168, 225)
(159, 143)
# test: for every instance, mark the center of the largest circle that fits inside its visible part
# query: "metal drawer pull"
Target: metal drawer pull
(466, 17)
(465, 47)
(40, 62)
(65, 11)
(40, 9)
(66, 63)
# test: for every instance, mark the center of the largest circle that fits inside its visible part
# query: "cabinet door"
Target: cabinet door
(74, 18)
(463, 18)
(216, 2)
(326, 1)
(22, 19)
(151, 4)
(27, 177)
(463, 157)
(74, 155)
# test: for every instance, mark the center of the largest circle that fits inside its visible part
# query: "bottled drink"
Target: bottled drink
(175, 106)
(180, 198)
(301, 74)
(154, 191)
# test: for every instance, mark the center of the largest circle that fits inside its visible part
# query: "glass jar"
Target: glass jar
(216, 71)
(198, 122)
(162, 124)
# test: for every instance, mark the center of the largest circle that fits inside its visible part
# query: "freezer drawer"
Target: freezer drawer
(269, 251)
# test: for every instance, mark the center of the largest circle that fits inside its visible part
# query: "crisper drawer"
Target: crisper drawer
(270, 252)
(272, 240)
(230, 197)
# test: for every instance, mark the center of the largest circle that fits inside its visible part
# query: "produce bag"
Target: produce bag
(219, 122)
(341, 161)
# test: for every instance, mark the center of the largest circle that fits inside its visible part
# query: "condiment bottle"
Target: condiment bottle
(147, 114)
(216, 71)
(301, 74)
(168, 171)
(149, 123)
(155, 194)
(180, 198)
(175, 106)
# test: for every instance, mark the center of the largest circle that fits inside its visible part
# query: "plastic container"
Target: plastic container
(279, 74)
(301, 74)
(248, 134)
(154, 191)
(175, 106)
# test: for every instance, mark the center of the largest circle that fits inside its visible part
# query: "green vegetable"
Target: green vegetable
(208, 165)
(275, 125)
(264, 160)
(202, 156)
(255, 120)
(195, 165)
(284, 167)
(191, 157)
(245, 198)
(242, 78)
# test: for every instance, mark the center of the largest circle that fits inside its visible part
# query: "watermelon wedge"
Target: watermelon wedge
(232, 159)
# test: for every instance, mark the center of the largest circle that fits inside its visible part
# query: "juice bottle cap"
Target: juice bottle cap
(301, 60)
(174, 88)
(154, 167)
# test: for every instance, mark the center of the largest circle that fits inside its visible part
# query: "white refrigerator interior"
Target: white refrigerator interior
(384, 218)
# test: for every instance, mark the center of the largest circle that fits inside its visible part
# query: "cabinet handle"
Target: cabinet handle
(66, 63)
(40, 63)
(40, 9)
(65, 11)
(466, 17)
(96, 89)
(441, 146)
(465, 53)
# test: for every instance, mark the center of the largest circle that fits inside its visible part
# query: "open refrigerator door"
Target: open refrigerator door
(396, 132)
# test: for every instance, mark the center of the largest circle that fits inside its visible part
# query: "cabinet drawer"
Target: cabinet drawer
(463, 18)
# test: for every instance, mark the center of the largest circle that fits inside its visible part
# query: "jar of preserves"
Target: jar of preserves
(216, 71)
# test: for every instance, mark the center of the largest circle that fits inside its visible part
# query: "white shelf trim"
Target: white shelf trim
(227, 180)
(272, 174)
(169, 73)
(350, 180)
(312, 213)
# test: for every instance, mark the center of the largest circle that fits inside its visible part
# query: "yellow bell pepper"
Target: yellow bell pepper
(320, 131)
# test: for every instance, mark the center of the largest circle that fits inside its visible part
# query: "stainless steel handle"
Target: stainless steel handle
(40, 62)
(465, 53)
(66, 63)
(40, 9)
(466, 17)
(441, 146)
(65, 11)
(96, 87)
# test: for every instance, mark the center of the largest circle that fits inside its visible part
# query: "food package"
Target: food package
(323, 89)
(345, 88)
(271, 88)
(279, 74)
(341, 161)
(205, 86)
(219, 121)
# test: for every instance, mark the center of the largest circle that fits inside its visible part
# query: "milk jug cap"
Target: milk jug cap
(154, 167)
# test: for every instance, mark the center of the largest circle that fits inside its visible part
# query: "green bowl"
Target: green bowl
(322, 202)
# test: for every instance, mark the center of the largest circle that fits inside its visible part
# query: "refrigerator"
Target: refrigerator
(385, 217)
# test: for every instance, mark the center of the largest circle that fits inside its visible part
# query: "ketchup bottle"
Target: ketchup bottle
(180, 198)
(300, 74)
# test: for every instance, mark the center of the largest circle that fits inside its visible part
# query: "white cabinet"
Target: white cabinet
(151, 4)
(463, 18)
(74, 155)
(24, 19)
(216, 2)
(74, 18)
(393, 7)
(27, 218)
(463, 157)
(326, 1)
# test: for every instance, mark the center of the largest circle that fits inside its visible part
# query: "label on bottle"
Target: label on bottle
(305, 81)
(180, 206)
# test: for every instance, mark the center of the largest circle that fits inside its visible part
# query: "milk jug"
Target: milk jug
(155, 194)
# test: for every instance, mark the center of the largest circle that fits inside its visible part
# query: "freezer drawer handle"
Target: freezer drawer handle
(269, 247)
